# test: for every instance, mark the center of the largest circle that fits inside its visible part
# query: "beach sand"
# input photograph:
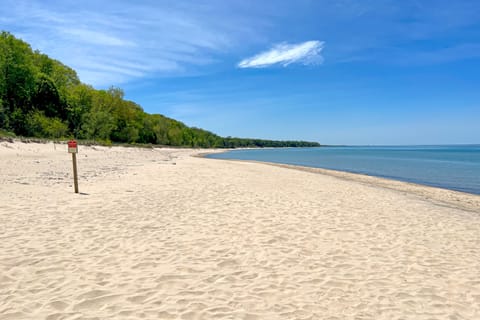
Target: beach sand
(159, 234)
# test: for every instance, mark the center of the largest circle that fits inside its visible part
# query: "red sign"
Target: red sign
(72, 146)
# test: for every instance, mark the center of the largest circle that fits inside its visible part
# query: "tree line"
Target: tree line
(41, 97)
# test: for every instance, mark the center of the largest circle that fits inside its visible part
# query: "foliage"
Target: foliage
(41, 97)
(41, 126)
(6, 134)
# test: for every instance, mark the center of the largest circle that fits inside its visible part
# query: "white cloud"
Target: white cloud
(306, 53)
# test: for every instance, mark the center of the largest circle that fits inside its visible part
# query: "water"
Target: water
(450, 167)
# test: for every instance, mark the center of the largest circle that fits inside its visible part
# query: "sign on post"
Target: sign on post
(73, 149)
(72, 146)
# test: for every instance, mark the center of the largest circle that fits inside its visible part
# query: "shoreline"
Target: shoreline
(449, 197)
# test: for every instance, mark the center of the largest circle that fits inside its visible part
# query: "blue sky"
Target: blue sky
(337, 72)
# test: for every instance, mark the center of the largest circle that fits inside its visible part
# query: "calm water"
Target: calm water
(450, 167)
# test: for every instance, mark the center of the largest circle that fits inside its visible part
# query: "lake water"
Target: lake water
(452, 167)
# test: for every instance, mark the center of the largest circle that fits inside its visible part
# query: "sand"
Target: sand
(159, 234)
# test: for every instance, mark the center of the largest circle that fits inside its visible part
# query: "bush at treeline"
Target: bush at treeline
(41, 97)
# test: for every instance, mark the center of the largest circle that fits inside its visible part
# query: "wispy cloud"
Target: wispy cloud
(110, 44)
(305, 53)
(97, 38)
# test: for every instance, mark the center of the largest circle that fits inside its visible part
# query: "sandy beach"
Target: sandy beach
(161, 234)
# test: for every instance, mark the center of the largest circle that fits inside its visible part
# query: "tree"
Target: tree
(17, 77)
(42, 126)
(98, 124)
(47, 98)
(79, 103)
(3, 116)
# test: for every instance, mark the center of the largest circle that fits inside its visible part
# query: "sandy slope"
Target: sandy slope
(158, 234)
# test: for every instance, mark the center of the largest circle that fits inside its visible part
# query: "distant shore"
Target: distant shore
(158, 233)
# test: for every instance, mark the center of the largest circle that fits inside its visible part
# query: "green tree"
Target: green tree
(79, 103)
(62, 76)
(98, 124)
(3, 116)
(17, 77)
(47, 98)
(42, 126)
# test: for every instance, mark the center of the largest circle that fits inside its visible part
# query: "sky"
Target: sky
(370, 72)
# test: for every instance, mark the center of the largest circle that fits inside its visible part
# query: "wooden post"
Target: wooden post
(73, 149)
(75, 176)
